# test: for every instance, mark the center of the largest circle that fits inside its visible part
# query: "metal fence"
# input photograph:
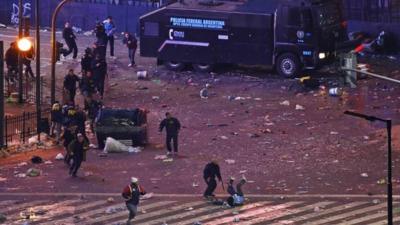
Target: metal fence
(378, 11)
(17, 129)
(28, 87)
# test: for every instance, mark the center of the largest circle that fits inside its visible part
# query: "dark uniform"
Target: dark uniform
(11, 59)
(210, 172)
(172, 126)
(86, 61)
(70, 82)
(99, 67)
(69, 37)
(78, 150)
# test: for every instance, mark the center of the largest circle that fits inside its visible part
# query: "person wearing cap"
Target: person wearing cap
(210, 172)
(173, 126)
(131, 194)
(77, 148)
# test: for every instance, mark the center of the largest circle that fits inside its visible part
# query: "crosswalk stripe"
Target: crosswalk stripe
(86, 215)
(162, 212)
(44, 206)
(20, 206)
(76, 209)
(229, 211)
(385, 222)
(125, 213)
(345, 215)
(286, 211)
(167, 219)
(364, 218)
(323, 212)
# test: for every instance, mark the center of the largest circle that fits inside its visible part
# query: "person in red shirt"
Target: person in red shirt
(131, 194)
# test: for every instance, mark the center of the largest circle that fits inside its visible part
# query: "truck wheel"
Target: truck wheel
(174, 66)
(202, 67)
(288, 65)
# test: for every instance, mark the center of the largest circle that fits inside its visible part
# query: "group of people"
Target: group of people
(11, 59)
(105, 35)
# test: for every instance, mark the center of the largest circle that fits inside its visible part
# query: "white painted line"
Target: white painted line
(80, 208)
(348, 214)
(199, 211)
(162, 212)
(322, 196)
(101, 219)
(365, 218)
(385, 222)
(286, 211)
(324, 212)
(225, 212)
(19, 206)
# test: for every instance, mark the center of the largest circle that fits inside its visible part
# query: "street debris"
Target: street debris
(168, 160)
(36, 159)
(2, 179)
(59, 156)
(33, 172)
(236, 219)
(110, 200)
(88, 33)
(160, 157)
(224, 137)
(22, 164)
(134, 149)
(230, 161)
(115, 209)
(285, 103)
(364, 175)
(381, 181)
(335, 92)
(48, 162)
(155, 98)
(195, 184)
(88, 174)
(334, 133)
(142, 75)
(300, 107)
(114, 146)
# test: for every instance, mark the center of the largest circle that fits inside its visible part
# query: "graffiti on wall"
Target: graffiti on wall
(26, 12)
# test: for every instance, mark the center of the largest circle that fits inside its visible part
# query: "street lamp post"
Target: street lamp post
(389, 159)
(37, 45)
(20, 35)
(2, 95)
(53, 50)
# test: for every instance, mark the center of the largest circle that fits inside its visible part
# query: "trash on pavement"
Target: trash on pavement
(195, 184)
(3, 25)
(300, 107)
(111, 210)
(48, 162)
(142, 75)
(3, 218)
(88, 174)
(114, 146)
(224, 137)
(364, 175)
(22, 164)
(36, 159)
(88, 33)
(160, 157)
(20, 175)
(335, 92)
(59, 156)
(168, 160)
(33, 172)
(134, 149)
(110, 200)
(230, 161)
(285, 103)
(3, 179)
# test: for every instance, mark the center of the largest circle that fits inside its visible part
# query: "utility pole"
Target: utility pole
(20, 35)
(2, 128)
(37, 44)
(53, 50)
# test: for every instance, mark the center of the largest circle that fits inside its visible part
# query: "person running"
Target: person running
(130, 42)
(211, 171)
(68, 136)
(131, 194)
(69, 37)
(77, 147)
(172, 126)
(110, 29)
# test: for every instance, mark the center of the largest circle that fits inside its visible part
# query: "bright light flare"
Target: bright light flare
(24, 44)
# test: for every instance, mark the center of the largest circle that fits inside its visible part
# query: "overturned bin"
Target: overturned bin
(122, 124)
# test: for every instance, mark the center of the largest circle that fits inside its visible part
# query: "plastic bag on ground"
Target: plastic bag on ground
(114, 146)
(59, 156)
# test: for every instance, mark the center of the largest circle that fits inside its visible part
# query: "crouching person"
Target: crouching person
(131, 194)
(237, 196)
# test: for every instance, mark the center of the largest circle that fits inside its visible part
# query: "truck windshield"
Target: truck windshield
(328, 15)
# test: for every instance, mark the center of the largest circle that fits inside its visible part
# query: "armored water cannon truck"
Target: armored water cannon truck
(290, 35)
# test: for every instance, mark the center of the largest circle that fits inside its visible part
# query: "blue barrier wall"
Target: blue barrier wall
(81, 14)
